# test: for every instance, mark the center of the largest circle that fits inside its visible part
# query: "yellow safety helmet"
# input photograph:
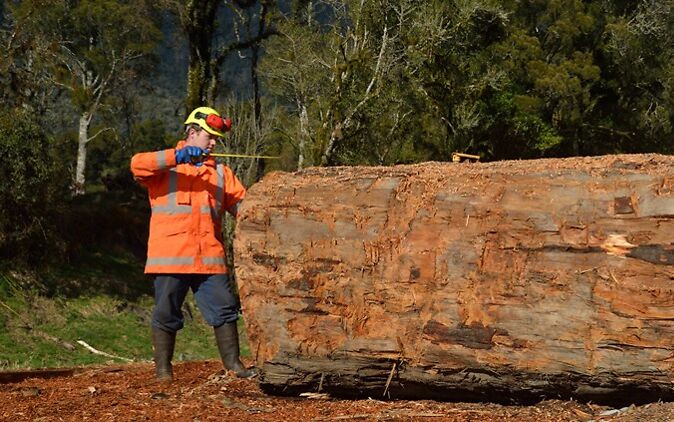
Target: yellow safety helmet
(209, 120)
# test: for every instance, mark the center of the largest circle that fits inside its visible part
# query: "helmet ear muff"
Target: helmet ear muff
(216, 122)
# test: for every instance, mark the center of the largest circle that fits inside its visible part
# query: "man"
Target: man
(188, 193)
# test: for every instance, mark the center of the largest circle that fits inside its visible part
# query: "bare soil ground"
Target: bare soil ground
(202, 391)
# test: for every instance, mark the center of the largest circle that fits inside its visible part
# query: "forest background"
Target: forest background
(86, 84)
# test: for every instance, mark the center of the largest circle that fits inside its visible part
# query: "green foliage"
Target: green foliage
(110, 156)
(637, 53)
(34, 191)
(95, 47)
(24, 79)
(402, 83)
(94, 41)
(502, 79)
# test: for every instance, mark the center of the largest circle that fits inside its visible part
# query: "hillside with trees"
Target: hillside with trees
(86, 84)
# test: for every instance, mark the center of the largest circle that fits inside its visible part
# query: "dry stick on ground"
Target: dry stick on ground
(12, 311)
(98, 352)
(390, 377)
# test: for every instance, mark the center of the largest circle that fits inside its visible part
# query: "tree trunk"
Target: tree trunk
(82, 140)
(303, 135)
(507, 281)
(199, 26)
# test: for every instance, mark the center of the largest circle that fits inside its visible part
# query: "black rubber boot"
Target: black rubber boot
(227, 339)
(163, 343)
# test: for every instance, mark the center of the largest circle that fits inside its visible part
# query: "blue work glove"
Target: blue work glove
(190, 154)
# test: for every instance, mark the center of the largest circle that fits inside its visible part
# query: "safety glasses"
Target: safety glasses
(215, 122)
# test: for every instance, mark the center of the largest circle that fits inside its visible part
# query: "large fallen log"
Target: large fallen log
(504, 281)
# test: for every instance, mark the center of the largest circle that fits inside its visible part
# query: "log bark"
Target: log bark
(508, 281)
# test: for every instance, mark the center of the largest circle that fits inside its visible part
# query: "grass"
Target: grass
(111, 313)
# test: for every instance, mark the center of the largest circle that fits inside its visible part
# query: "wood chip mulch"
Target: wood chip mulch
(202, 391)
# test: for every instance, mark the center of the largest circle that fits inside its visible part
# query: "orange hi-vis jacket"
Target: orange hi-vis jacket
(187, 208)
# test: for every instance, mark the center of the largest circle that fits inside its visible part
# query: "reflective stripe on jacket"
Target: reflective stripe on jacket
(187, 207)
